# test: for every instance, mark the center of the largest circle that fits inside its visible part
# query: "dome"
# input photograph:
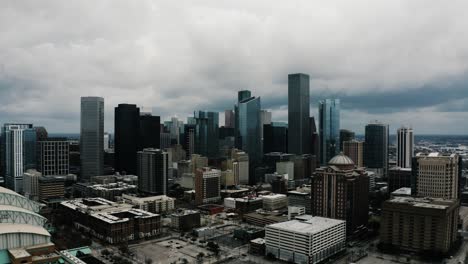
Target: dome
(341, 160)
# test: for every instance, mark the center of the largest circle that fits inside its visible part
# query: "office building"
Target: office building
(275, 202)
(311, 241)
(376, 148)
(207, 185)
(111, 222)
(51, 187)
(239, 164)
(229, 120)
(399, 178)
(419, 224)
(275, 138)
(111, 191)
(436, 175)
(265, 119)
(207, 133)
(92, 137)
(405, 147)
(185, 220)
(345, 135)
(248, 131)
(21, 224)
(286, 168)
(189, 139)
(354, 150)
(329, 126)
(298, 114)
(153, 204)
(340, 191)
(127, 126)
(54, 156)
(153, 167)
(19, 153)
(300, 199)
(107, 141)
(31, 184)
(150, 130)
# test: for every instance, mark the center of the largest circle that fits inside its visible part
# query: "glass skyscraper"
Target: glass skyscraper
(329, 126)
(298, 114)
(19, 153)
(248, 131)
(126, 129)
(92, 136)
(207, 133)
(376, 147)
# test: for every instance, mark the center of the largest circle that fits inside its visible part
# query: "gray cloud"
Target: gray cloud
(398, 61)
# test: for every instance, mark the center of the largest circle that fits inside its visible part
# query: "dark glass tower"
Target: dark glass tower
(329, 125)
(298, 114)
(275, 138)
(376, 147)
(127, 126)
(153, 166)
(345, 135)
(207, 133)
(150, 130)
(248, 137)
(92, 137)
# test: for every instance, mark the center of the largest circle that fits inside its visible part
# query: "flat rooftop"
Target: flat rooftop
(314, 225)
(434, 203)
(402, 191)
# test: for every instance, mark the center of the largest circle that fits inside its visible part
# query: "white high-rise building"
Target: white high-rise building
(31, 184)
(310, 241)
(19, 153)
(405, 147)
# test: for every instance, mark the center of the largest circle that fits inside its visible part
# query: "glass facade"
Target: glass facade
(376, 147)
(92, 136)
(329, 126)
(298, 114)
(248, 131)
(126, 130)
(207, 133)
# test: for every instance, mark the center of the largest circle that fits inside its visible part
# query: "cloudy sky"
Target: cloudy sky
(401, 62)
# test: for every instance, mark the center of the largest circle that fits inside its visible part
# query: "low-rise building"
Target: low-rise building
(419, 224)
(185, 220)
(263, 218)
(110, 221)
(310, 241)
(274, 202)
(111, 191)
(154, 204)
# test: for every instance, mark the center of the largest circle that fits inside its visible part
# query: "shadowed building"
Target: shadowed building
(329, 125)
(127, 126)
(92, 137)
(298, 114)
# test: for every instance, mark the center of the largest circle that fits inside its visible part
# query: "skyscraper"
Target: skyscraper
(354, 150)
(19, 148)
(207, 185)
(405, 147)
(53, 156)
(150, 130)
(314, 142)
(189, 139)
(92, 137)
(265, 119)
(153, 166)
(207, 133)
(248, 132)
(127, 126)
(329, 125)
(275, 138)
(376, 147)
(298, 114)
(229, 120)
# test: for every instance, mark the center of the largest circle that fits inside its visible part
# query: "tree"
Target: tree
(200, 257)
(213, 247)
(148, 261)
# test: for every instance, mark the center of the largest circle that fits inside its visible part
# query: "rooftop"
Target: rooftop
(402, 191)
(434, 203)
(312, 226)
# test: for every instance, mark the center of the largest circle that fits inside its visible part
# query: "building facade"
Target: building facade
(399, 178)
(329, 128)
(298, 114)
(127, 127)
(153, 167)
(54, 155)
(354, 150)
(376, 147)
(207, 133)
(346, 135)
(207, 185)
(248, 131)
(405, 147)
(92, 137)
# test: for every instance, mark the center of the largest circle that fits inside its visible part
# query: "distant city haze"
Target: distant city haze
(400, 62)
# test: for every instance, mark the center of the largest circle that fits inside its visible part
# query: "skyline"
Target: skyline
(178, 59)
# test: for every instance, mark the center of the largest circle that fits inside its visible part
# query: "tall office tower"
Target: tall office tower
(54, 156)
(207, 185)
(174, 129)
(275, 138)
(405, 147)
(31, 184)
(19, 148)
(153, 167)
(106, 141)
(436, 175)
(314, 141)
(340, 191)
(345, 135)
(207, 133)
(127, 126)
(92, 137)
(229, 120)
(265, 119)
(240, 166)
(399, 178)
(329, 125)
(354, 150)
(150, 130)
(189, 139)
(298, 114)
(376, 147)
(248, 132)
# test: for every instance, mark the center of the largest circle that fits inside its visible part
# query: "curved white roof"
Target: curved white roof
(8, 191)
(21, 228)
(341, 159)
(18, 209)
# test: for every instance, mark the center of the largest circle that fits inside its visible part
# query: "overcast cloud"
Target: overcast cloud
(401, 62)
